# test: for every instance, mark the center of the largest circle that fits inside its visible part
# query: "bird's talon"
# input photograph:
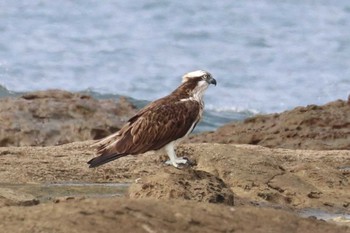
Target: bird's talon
(180, 162)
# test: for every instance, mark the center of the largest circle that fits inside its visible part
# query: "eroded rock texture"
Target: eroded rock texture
(56, 117)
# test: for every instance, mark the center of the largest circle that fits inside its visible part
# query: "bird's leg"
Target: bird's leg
(174, 160)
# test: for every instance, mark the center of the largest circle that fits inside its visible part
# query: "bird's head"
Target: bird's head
(196, 82)
(198, 76)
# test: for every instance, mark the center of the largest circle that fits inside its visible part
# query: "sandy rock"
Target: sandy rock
(150, 216)
(314, 127)
(258, 176)
(9, 197)
(289, 178)
(297, 179)
(56, 117)
(187, 184)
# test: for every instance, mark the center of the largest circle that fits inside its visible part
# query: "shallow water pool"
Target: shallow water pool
(51, 191)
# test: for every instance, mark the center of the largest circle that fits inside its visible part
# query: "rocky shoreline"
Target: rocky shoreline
(228, 188)
(313, 127)
(56, 117)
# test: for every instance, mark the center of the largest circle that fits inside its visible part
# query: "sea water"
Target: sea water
(267, 56)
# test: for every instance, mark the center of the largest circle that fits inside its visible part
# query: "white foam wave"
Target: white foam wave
(231, 109)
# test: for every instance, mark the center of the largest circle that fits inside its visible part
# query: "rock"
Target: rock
(9, 197)
(258, 176)
(314, 127)
(145, 215)
(56, 117)
(295, 179)
(186, 184)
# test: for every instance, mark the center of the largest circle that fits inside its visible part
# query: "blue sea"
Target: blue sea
(266, 55)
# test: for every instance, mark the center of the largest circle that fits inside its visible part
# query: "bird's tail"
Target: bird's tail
(104, 158)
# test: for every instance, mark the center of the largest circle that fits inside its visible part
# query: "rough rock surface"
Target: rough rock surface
(186, 184)
(9, 197)
(295, 179)
(279, 178)
(150, 216)
(56, 117)
(165, 199)
(314, 127)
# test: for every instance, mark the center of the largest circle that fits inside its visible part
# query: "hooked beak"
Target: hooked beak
(212, 81)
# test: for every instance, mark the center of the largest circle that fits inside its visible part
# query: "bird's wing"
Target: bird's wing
(152, 128)
(161, 125)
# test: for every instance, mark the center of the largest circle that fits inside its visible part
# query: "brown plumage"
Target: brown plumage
(159, 124)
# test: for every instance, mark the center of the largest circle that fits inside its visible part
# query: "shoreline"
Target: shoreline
(257, 178)
(227, 175)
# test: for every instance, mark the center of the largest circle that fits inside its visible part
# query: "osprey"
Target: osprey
(159, 124)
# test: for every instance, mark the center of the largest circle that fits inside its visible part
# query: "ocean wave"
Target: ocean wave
(5, 92)
(231, 109)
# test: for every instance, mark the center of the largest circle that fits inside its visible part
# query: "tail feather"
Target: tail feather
(105, 158)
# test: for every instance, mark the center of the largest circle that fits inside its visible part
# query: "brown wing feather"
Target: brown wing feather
(150, 129)
(158, 126)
